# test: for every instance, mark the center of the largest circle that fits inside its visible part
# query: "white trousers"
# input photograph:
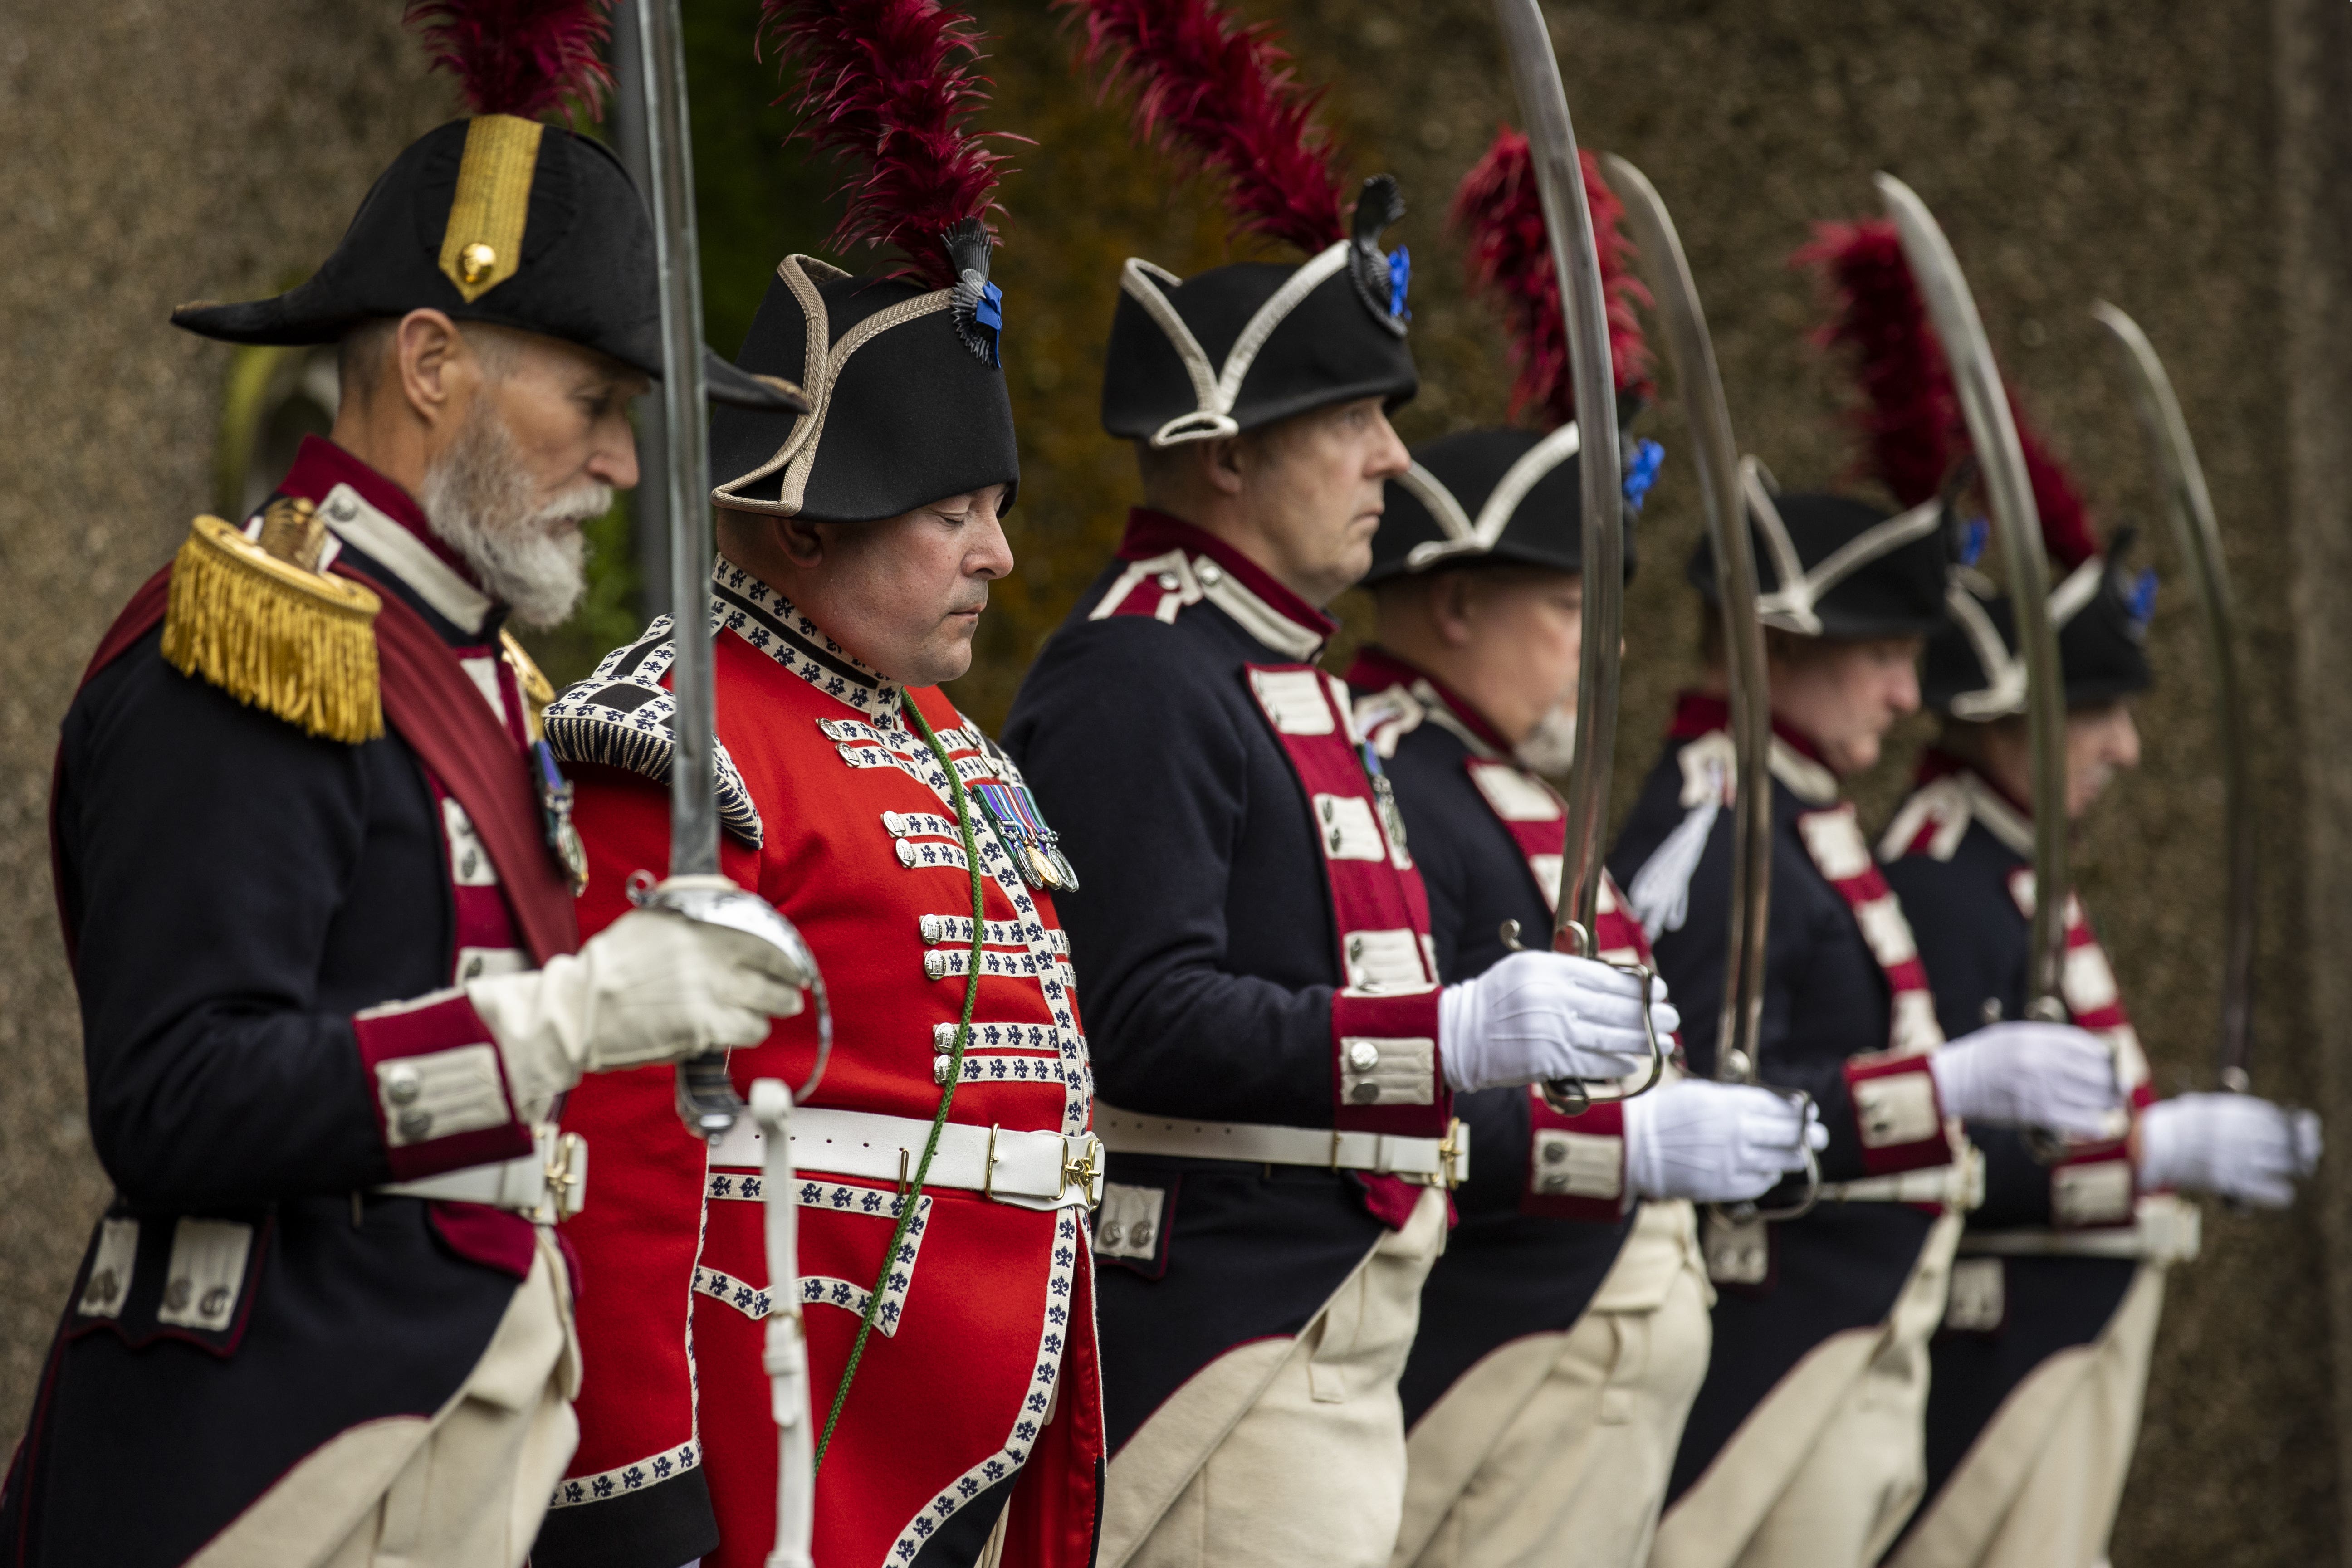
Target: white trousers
(1825, 1470)
(1284, 1453)
(1554, 1449)
(464, 1487)
(2040, 1486)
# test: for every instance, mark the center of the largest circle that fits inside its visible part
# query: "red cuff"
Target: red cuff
(1897, 1115)
(1576, 1165)
(438, 1088)
(2095, 1184)
(1385, 1072)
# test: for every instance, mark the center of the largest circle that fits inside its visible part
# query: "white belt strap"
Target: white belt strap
(1958, 1185)
(1030, 1170)
(2166, 1231)
(1433, 1160)
(549, 1183)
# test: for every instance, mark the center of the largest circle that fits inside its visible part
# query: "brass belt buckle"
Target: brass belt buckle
(1449, 1154)
(562, 1156)
(1084, 1169)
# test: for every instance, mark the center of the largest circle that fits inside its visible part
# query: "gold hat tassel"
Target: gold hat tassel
(260, 622)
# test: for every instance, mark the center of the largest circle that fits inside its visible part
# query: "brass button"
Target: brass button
(402, 1085)
(474, 262)
(176, 1294)
(415, 1123)
(216, 1301)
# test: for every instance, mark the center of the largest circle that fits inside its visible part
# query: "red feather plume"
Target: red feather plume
(1222, 94)
(1499, 208)
(884, 87)
(524, 57)
(1910, 418)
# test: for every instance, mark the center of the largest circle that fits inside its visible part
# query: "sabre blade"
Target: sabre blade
(1699, 383)
(2195, 529)
(1567, 220)
(1992, 432)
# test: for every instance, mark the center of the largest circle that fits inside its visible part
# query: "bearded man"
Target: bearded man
(316, 873)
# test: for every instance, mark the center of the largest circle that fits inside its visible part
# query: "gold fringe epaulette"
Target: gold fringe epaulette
(273, 634)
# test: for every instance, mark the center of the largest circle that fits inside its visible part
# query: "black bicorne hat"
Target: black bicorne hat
(1974, 671)
(498, 219)
(1499, 495)
(1839, 568)
(908, 403)
(1248, 344)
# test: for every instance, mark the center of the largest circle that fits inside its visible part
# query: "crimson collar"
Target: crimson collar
(319, 466)
(1698, 712)
(1376, 667)
(1151, 533)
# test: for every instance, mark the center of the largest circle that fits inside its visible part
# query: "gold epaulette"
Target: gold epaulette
(536, 690)
(256, 620)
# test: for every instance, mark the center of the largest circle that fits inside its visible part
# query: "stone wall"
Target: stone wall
(2186, 161)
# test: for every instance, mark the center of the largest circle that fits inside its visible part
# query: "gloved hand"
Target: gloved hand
(1715, 1142)
(1539, 1015)
(653, 986)
(2030, 1074)
(2232, 1144)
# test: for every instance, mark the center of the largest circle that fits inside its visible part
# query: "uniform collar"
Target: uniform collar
(382, 522)
(1796, 761)
(1376, 667)
(2004, 817)
(753, 611)
(1234, 582)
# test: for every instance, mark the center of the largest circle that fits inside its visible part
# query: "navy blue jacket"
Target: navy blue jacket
(1205, 931)
(1975, 940)
(1826, 1000)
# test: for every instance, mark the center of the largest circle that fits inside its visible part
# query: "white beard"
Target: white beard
(478, 498)
(1550, 747)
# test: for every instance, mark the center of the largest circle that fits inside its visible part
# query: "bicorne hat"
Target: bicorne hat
(1249, 343)
(1513, 495)
(904, 368)
(498, 219)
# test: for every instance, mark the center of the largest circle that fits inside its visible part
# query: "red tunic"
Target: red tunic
(980, 1369)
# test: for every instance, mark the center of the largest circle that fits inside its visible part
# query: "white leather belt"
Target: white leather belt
(546, 1185)
(2166, 1230)
(1957, 1186)
(1031, 1170)
(1431, 1161)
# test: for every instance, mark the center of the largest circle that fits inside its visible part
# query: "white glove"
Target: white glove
(1715, 1142)
(2232, 1144)
(2030, 1074)
(653, 986)
(1539, 1015)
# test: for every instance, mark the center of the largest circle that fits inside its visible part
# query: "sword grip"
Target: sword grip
(707, 1100)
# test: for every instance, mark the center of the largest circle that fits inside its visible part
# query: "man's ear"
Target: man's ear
(798, 539)
(1453, 605)
(435, 366)
(1225, 463)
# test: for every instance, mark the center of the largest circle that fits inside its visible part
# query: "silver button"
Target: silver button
(103, 1286)
(1168, 583)
(935, 964)
(402, 1085)
(939, 1065)
(1355, 947)
(1339, 841)
(176, 1294)
(466, 866)
(1365, 1093)
(1363, 1056)
(1209, 572)
(1143, 1234)
(473, 968)
(1553, 1153)
(216, 1301)
(1112, 1234)
(415, 1123)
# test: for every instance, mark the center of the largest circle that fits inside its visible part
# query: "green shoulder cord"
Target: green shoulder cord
(914, 1194)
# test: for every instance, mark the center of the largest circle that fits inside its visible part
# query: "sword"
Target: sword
(1992, 432)
(2190, 506)
(707, 1100)
(1568, 219)
(1699, 383)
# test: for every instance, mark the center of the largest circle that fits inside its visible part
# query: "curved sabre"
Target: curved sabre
(1992, 432)
(2191, 507)
(1567, 220)
(1699, 383)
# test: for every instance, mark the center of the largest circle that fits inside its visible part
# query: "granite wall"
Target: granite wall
(2190, 163)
